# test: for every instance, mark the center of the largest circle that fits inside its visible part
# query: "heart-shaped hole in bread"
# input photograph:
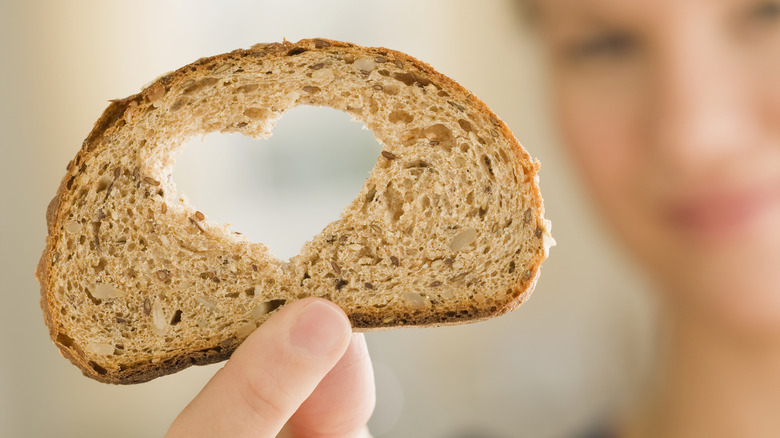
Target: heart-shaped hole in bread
(447, 228)
(283, 190)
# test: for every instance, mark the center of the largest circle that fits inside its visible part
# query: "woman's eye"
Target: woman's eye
(608, 46)
(766, 10)
(761, 18)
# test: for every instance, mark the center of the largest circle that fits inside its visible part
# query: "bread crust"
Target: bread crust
(362, 320)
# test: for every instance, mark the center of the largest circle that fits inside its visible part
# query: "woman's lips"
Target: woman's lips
(721, 215)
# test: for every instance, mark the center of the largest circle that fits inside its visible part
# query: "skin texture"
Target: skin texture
(672, 111)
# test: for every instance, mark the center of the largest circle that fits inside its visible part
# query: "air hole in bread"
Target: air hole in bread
(64, 340)
(400, 116)
(176, 317)
(98, 369)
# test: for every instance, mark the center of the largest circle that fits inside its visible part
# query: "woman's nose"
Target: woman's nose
(702, 113)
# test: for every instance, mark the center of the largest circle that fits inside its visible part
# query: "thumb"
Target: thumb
(270, 375)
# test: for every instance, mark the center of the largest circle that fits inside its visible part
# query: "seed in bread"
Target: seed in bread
(448, 227)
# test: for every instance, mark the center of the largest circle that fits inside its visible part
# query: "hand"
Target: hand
(302, 370)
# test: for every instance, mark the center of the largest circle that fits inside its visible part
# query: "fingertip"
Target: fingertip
(305, 302)
(320, 328)
(296, 321)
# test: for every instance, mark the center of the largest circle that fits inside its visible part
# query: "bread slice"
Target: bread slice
(448, 227)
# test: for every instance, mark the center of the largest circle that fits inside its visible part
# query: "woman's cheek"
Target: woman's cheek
(604, 136)
(601, 141)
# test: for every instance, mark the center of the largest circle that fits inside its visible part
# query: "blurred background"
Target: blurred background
(552, 367)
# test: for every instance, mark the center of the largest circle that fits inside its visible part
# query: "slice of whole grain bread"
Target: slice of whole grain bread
(448, 228)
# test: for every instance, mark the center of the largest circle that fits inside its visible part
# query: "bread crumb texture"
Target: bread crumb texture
(448, 227)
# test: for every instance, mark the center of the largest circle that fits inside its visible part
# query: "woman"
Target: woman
(672, 111)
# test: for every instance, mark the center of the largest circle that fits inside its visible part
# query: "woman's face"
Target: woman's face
(672, 109)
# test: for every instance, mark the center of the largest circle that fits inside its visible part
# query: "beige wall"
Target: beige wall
(538, 372)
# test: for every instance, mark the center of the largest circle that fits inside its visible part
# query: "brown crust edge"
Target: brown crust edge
(112, 116)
